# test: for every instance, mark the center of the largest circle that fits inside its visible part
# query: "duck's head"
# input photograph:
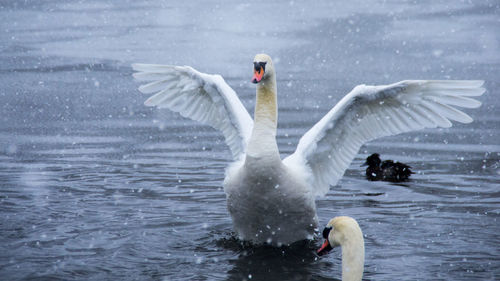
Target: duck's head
(373, 160)
(263, 68)
(337, 232)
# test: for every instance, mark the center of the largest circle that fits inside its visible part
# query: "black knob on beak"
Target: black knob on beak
(257, 66)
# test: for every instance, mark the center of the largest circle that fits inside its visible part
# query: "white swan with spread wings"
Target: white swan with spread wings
(270, 200)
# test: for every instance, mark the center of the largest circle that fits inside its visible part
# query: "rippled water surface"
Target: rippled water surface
(96, 186)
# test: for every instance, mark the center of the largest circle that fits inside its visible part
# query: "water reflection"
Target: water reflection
(295, 262)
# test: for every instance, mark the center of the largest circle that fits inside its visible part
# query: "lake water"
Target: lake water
(96, 186)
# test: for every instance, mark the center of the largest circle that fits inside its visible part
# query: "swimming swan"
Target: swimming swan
(270, 200)
(345, 232)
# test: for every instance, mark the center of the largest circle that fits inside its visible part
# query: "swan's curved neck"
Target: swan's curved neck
(263, 140)
(266, 107)
(353, 257)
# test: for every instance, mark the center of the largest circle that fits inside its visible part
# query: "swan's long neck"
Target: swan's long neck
(353, 257)
(266, 107)
(263, 140)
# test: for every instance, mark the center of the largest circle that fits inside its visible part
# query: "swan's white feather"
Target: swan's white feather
(370, 112)
(199, 96)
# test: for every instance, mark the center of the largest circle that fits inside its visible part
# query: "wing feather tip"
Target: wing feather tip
(466, 118)
(475, 104)
(149, 103)
(143, 89)
(135, 66)
(146, 67)
(141, 66)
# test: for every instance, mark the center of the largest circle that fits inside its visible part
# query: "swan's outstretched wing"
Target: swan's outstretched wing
(370, 112)
(202, 97)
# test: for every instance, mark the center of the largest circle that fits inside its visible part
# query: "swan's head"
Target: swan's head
(337, 232)
(373, 160)
(262, 68)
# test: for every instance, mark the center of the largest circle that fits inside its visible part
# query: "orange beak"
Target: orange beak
(325, 248)
(257, 75)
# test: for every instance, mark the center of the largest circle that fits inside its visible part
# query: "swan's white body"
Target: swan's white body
(264, 197)
(271, 200)
(345, 232)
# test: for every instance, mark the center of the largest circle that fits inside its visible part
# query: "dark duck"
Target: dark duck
(387, 170)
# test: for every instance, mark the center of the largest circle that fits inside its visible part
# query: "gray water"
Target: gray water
(96, 186)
